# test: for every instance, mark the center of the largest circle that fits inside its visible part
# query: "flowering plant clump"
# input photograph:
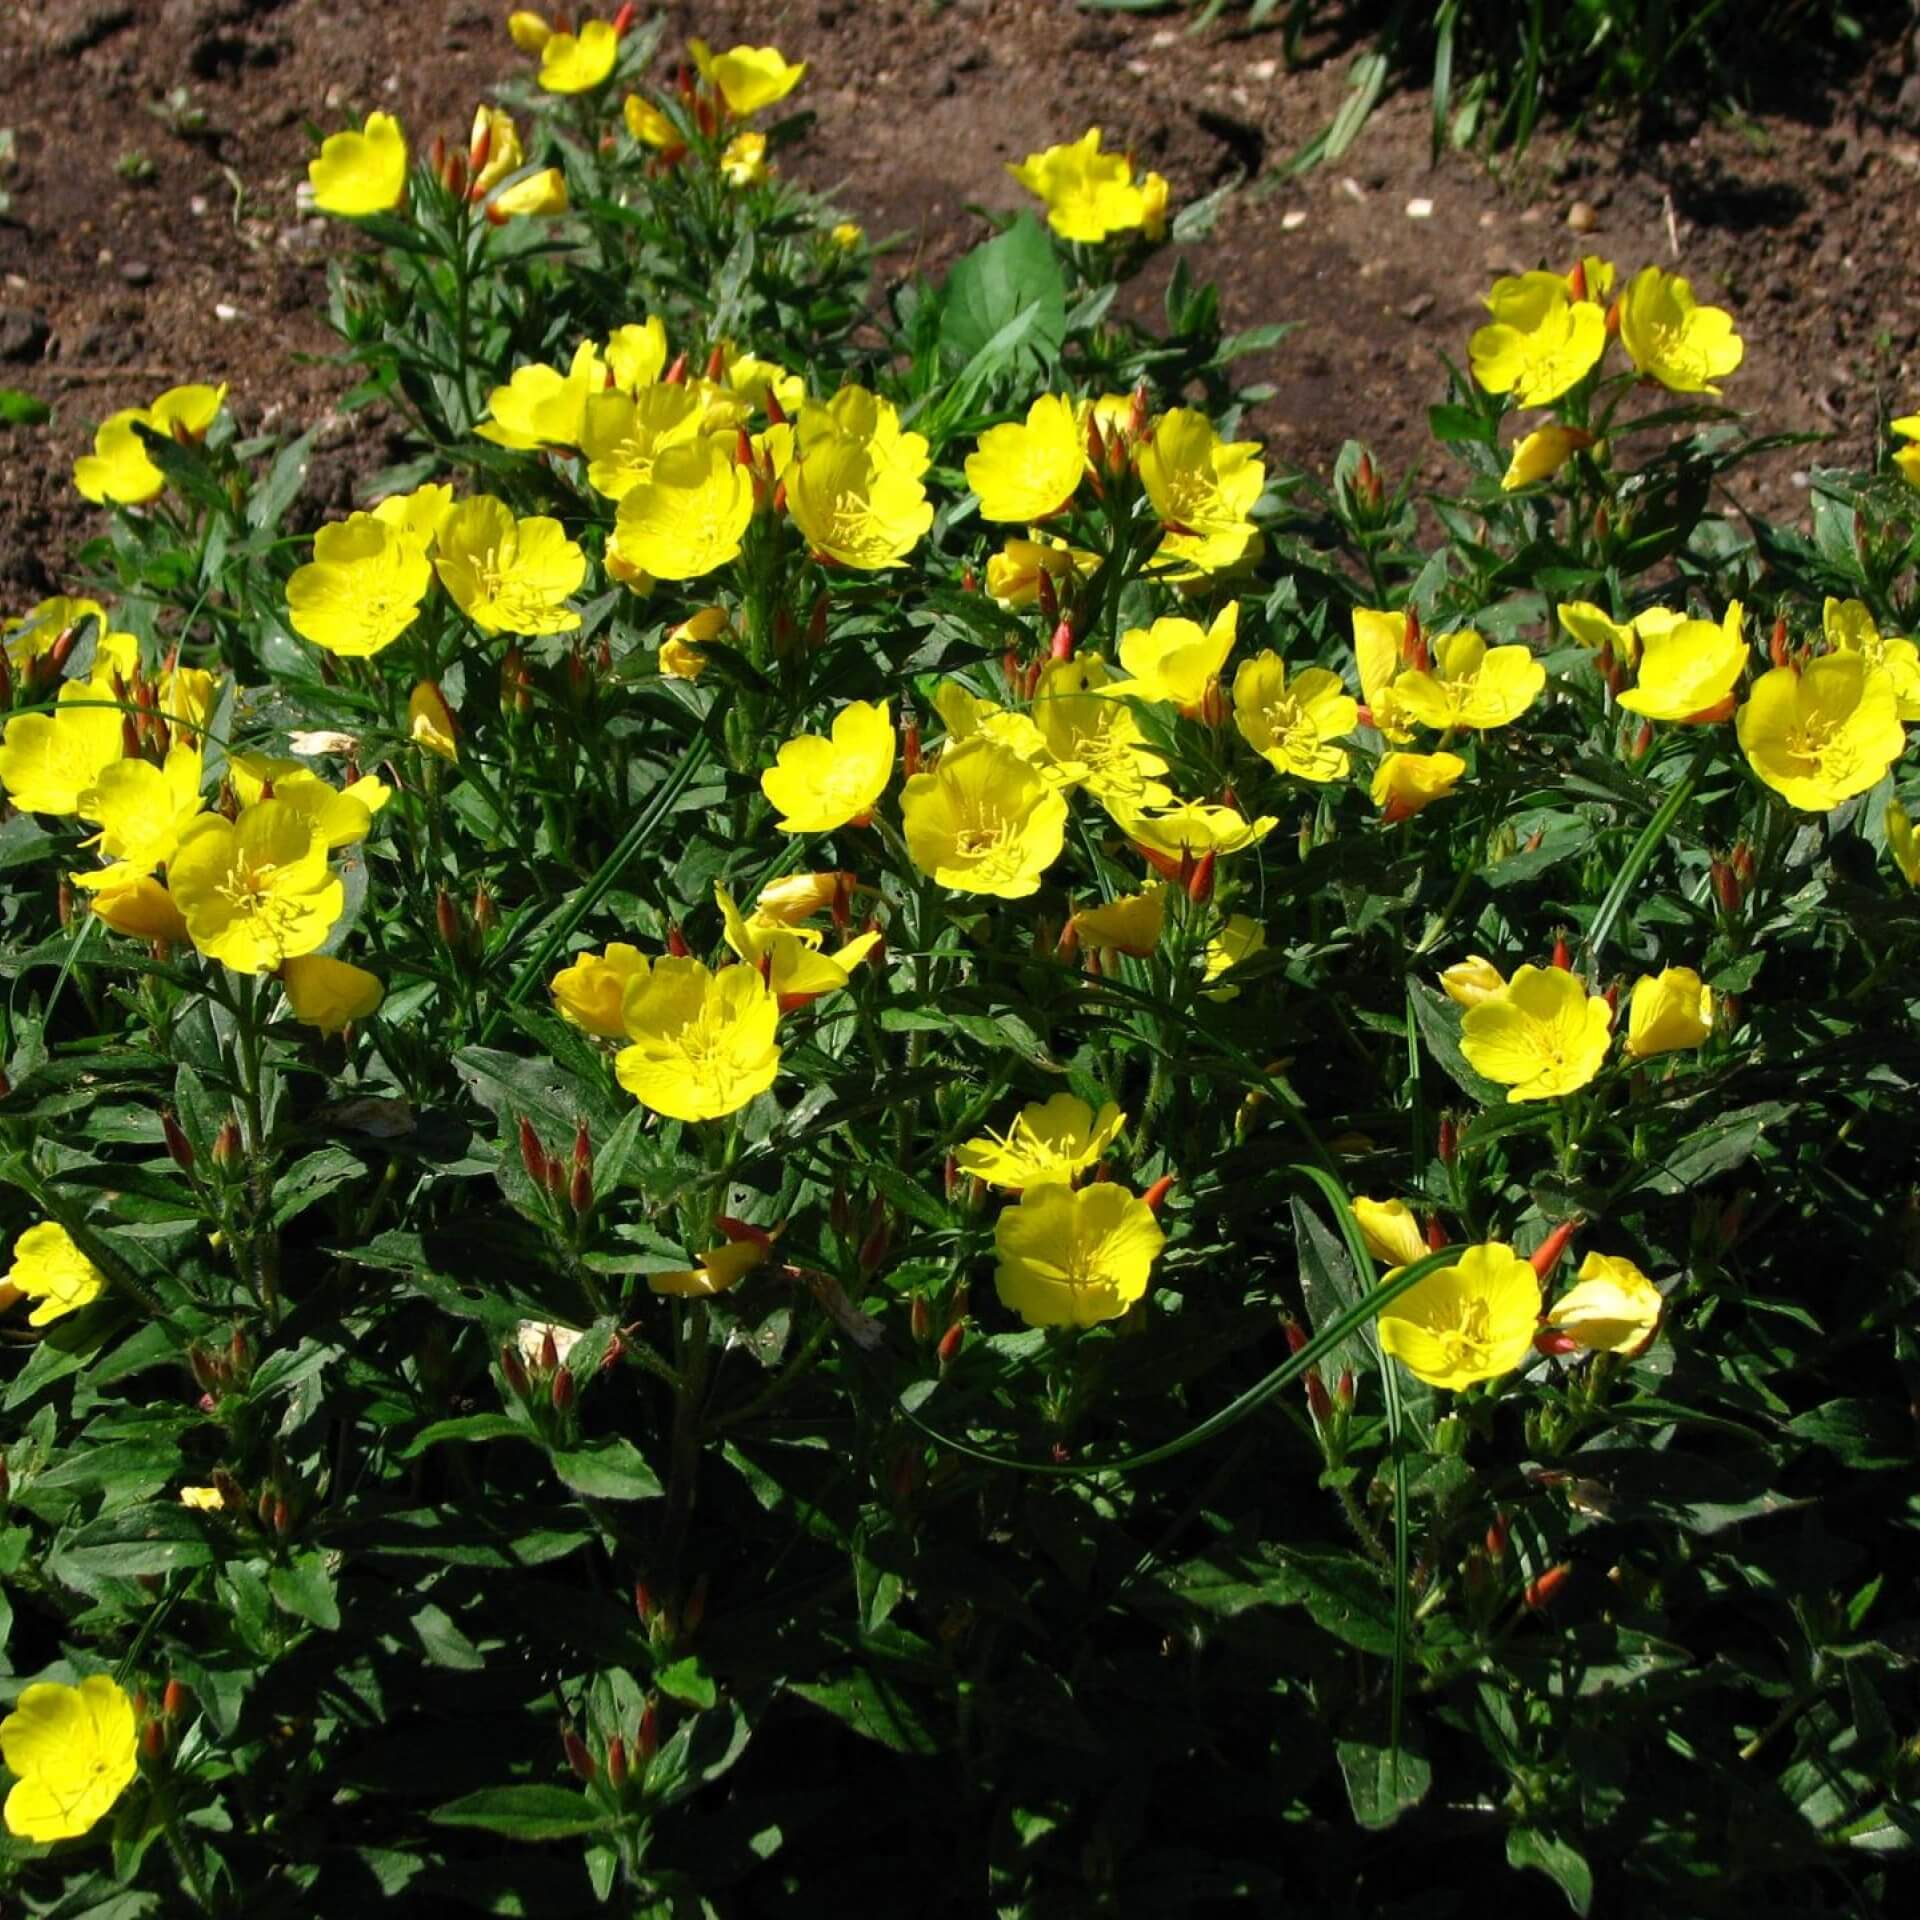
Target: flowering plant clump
(841, 1051)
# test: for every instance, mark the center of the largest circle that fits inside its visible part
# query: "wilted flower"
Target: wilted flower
(1131, 924)
(430, 722)
(743, 160)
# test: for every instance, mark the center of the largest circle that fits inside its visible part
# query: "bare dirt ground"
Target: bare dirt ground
(154, 234)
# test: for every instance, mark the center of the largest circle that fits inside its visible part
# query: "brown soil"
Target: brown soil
(1801, 217)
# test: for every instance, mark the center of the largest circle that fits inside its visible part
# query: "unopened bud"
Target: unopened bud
(1744, 865)
(677, 943)
(153, 1739)
(1448, 1145)
(179, 1147)
(1155, 1196)
(1343, 1390)
(1540, 1592)
(1498, 1533)
(646, 1741)
(1726, 885)
(446, 918)
(873, 1249)
(1318, 1402)
(1546, 1256)
(1777, 650)
(563, 1390)
(533, 1156)
(676, 375)
(486, 915)
(616, 1763)
(910, 746)
(1562, 953)
(514, 1371)
(1296, 1334)
(624, 19)
(1060, 647)
(578, 1757)
(175, 1700)
(226, 1146)
(282, 1516)
(950, 1343)
(1200, 880)
(920, 1320)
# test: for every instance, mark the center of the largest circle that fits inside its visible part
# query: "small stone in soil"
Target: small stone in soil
(222, 311)
(1290, 221)
(136, 273)
(1418, 307)
(1582, 217)
(1419, 209)
(23, 335)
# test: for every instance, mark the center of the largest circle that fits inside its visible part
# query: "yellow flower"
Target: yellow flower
(818, 784)
(1072, 1258)
(1541, 1036)
(37, 631)
(1466, 1323)
(508, 575)
(417, 516)
(1907, 459)
(855, 505)
(688, 517)
(49, 1268)
(1051, 1143)
(542, 407)
(983, 820)
(362, 589)
(141, 811)
(1154, 196)
(1203, 490)
(1378, 640)
(1131, 924)
(754, 380)
(539, 194)
(430, 722)
(355, 174)
(1688, 668)
(1194, 828)
(327, 993)
(1612, 1308)
(1391, 1232)
(1541, 343)
(1471, 684)
(1405, 783)
(1470, 981)
(651, 127)
(590, 993)
(721, 1268)
(1593, 628)
(1238, 940)
(578, 62)
(626, 433)
(49, 760)
(1541, 454)
(1671, 1012)
(185, 413)
(791, 963)
(339, 817)
(202, 1499)
(73, 1750)
(142, 908)
(1850, 628)
(1902, 842)
(1089, 195)
(847, 235)
(1026, 472)
(799, 896)
(497, 141)
(1176, 659)
(1819, 736)
(1294, 728)
(743, 160)
(680, 656)
(1683, 346)
(120, 468)
(1093, 738)
(528, 30)
(637, 353)
(702, 1043)
(1013, 574)
(257, 891)
(747, 78)
(966, 714)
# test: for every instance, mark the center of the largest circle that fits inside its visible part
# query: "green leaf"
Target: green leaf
(1439, 1022)
(1382, 1783)
(304, 1587)
(997, 284)
(524, 1813)
(19, 409)
(687, 1680)
(1568, 1870)
(614, 1470)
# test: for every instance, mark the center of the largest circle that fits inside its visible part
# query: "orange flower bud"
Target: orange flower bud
(1498, 1533)
(676, 375)
(1200, 880)
(1155, 1196)
(950, 1343)
(1539, 1594)
(1546, 1256)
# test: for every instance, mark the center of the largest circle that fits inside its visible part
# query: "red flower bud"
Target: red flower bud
(1777, 645)
(1449, 1142)
(1498, 1533)
(910, 746)
(1061, 645)
(447, 919)
(1200, 880)
(175, 1700)
(1295, 1332)
(578, 1758)
(178, 1145)
(549, 1351)
(643, 1602)
(1436, 1233)
(1049, 599)
(1577, 281)
(1318, 1403)
(677, 943)
(625, 18)
(153, 1739)
(920, 1320)
(226, 1146)
(514, 1371)
(1546, 1256)
(563, 1390)
(1155, 1196)
(1744, 864)
(675, 375)
(1552, 1341)
(533, 1156)
(646, 1741)
(616, 1763)
(1562, 953)
(1726, 885)
(950, 1343)
(1539, 1594)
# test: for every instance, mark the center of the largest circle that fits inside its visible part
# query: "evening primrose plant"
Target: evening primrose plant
(838, 1049)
